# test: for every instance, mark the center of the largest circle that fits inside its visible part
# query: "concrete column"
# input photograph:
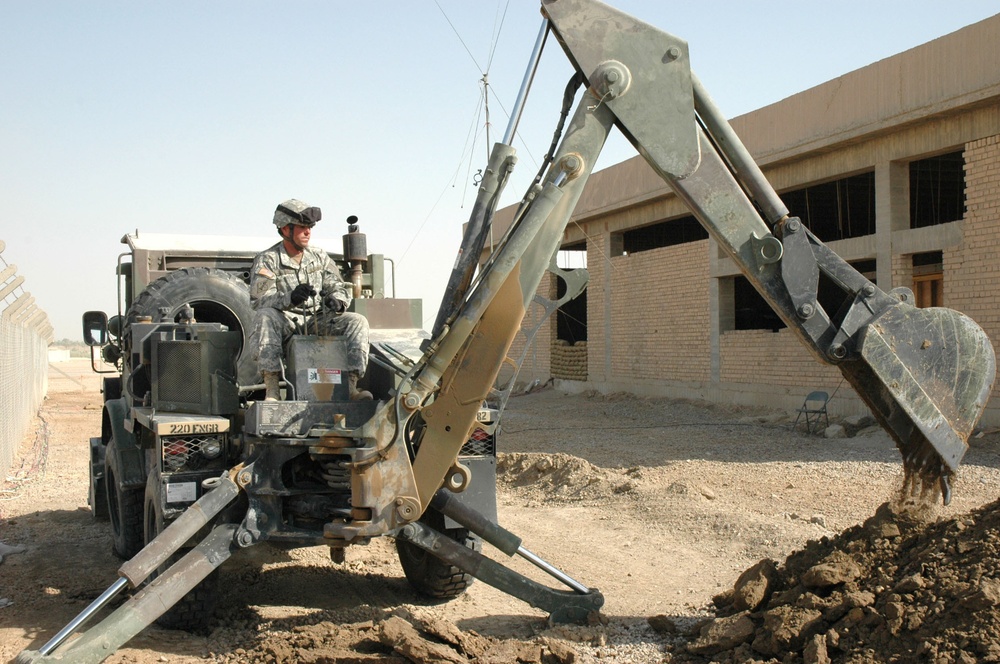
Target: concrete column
(892, 212)
(612, 247)
(720, 308)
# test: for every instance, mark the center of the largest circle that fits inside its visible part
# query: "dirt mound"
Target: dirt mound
(559, 476)
(397, 637)
(889, 590)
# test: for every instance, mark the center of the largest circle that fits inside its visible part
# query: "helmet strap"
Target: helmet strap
(290, 238)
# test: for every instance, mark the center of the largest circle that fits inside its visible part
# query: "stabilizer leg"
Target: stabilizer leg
(161, 594)
(563, 606)
(102, 640)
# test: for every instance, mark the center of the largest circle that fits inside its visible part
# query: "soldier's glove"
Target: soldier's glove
(301, 293)
(334, 305)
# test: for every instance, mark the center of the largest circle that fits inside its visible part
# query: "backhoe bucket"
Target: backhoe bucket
(926, 374)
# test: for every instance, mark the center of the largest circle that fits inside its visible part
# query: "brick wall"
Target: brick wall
(972, 271)
(659, 314)
(598, 266)
(773, 359)
(902, 272)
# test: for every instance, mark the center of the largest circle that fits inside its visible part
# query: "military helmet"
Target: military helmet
(296, 212)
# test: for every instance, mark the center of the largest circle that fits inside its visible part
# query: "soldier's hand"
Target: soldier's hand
(334, 305)
(301, 293)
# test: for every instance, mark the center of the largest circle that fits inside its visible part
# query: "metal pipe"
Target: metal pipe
(393, 263)
(747, 171)
(121, 282)
(558, 574)
(529, 75)
(84, 615)
(494, 179)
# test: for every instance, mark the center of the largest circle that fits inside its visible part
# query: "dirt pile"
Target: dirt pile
(892, 589)
(397, 637)
(559, 476)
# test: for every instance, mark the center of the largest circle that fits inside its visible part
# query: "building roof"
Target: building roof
(953, 73)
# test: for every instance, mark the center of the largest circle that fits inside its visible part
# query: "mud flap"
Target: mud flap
(926, 374)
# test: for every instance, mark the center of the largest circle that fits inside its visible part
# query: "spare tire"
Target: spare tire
(216, 297)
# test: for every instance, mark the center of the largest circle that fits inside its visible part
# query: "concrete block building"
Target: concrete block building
(896, 166)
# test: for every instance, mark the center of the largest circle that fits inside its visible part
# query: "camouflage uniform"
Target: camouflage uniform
(273, 277)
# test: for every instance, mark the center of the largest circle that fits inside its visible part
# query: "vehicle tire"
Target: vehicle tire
(97, 490)
(124, 507)
(193, 610)
(427, 573)
(216, 297)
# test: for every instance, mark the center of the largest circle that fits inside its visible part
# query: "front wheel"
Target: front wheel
(124, 506)
(192, 612)
(427, 573)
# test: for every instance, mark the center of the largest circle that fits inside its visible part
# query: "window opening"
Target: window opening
(571, 317)
(752, 312)
(663, 234)
(836, 210)
(937, 190)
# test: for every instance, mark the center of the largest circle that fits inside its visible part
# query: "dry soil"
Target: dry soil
(715, 534)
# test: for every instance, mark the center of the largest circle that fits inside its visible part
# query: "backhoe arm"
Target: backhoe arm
(926, 374)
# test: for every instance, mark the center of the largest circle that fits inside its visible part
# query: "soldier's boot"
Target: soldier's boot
(271, 387)
(356, 394)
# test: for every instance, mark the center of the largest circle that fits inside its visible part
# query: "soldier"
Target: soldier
(291, 281)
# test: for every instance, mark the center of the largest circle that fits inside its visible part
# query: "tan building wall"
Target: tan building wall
(655, 334)
(660, 321)
(972, 268)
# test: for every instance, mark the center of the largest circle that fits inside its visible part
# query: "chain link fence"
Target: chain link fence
(25, 334)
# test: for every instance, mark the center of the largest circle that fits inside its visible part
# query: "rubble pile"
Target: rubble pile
(893, 589)
(399, 637)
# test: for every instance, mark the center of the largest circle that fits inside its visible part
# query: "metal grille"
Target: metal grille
(480, 443)
(185, 453)
(179, 364)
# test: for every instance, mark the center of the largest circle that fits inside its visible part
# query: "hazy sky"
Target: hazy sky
(199, 117)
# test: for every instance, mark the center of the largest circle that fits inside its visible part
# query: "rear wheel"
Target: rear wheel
(124, 507)
(193, 610)
(427, 573)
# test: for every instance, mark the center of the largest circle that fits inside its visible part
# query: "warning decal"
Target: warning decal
(330, 376)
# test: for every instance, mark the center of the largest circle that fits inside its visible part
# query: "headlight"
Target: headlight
(211, 448)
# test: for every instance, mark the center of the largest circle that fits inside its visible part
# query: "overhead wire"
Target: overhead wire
(496, 36)
(457, 34)
(472, 135)
(483, 109)
(451, 181)
(481, 105)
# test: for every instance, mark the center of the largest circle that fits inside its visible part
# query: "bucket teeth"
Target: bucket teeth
(926, 375)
